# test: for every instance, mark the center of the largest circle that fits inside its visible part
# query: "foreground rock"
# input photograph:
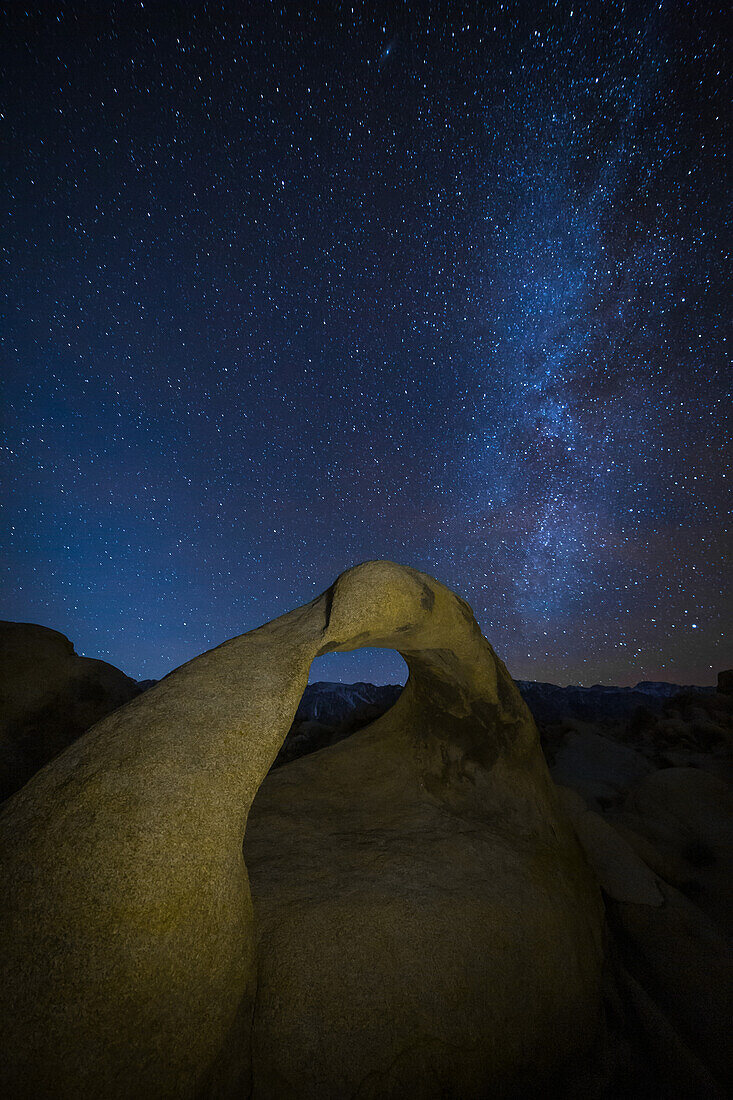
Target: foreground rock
(669, 1005)
(48, 697)
(681, 821)
(424, 921)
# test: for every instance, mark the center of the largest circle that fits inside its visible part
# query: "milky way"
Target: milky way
(289, 287)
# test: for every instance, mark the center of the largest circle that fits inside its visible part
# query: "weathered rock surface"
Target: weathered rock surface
(665, 864)
(598, 767)
(651, 804)
(48, 697)
(424, 921)
(685, 818)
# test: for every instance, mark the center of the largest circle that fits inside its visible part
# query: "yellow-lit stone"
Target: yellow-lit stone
(424, 921)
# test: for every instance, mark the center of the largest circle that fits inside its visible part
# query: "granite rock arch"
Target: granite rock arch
(135, 963)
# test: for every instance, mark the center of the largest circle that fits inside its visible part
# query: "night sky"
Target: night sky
(291, 286)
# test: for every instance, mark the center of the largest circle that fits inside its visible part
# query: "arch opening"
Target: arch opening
(346, 692)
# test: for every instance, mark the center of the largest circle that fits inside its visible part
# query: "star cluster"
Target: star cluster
(291, 286)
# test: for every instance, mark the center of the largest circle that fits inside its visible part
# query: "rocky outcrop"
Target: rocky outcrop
(656, 822)
(603, 760)
(48, 697)
(421, 919)
(725, 682)
(600, 768)
(692, 729)
(671, 964)
(683, 819)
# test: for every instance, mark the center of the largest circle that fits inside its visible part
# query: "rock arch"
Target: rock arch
(134, 963)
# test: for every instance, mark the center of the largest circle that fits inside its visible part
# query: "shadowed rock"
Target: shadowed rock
(664, 863)
(48, 697)
(424, 922)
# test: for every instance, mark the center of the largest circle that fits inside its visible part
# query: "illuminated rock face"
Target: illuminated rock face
(424, 922)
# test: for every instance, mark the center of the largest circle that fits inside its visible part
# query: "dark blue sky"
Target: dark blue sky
(291, 286)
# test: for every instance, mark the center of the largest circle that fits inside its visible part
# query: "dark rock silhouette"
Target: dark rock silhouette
(668, 1007)
(550, 703)
(725, 682)
(691, 729)
(424, 921)
(684, 817)
(48, 697)
(598, 767)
